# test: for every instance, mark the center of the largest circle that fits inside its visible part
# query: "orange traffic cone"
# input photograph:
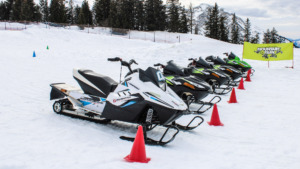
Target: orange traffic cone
(138, 151)
(232, 97)
(241, 85)
(215, 119)
(248, 76)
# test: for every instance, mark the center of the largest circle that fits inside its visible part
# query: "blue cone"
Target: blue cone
(34, 54)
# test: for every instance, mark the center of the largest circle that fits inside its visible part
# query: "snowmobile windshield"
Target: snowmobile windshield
(220, 61)
(233, 56)
(172, 68)
(202, 63)
(153, 75)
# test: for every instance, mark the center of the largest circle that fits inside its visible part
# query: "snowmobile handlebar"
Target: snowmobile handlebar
(116, 59)
(123, 63)
(193, 59)
(159, 64)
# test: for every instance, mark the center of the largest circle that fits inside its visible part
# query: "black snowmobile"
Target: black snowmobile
(220, 64)
(190, 88)
(216, 78)
(142, 98)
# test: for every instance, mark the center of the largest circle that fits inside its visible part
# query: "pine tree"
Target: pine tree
(191, 17)
(255, 39)
(274, 36)
(27, 10)
(127, 14)
(57, 11)
(215, 22)
(37, 16)
(247, 31)
(81, 18)
(71, 12)
(76, 14)
(159, 15)
(114, 19)
(3, 10)
(267, 37)
(16, 12)
(149, 15)
(208, 24)
(138, 15)
(235, 31)
(173, 16)
(183, 21)
(6, 9)
(197, 29)
(101, 11)
(86, 13)
(223, 29)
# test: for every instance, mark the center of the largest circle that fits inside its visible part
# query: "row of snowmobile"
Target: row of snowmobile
(157, 96)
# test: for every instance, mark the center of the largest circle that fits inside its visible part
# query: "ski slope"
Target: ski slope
(260, 132)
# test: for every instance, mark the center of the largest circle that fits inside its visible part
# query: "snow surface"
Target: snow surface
(260, 132)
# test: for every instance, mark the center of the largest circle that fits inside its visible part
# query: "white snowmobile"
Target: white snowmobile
(142, 98)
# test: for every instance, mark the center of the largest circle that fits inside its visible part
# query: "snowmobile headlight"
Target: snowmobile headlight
(229, 70)
(214, 74)
(217, 74)
(189, 85)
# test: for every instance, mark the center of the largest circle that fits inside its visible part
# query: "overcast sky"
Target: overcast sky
(284, 15)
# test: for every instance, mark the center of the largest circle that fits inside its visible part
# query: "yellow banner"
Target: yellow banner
(268, 52)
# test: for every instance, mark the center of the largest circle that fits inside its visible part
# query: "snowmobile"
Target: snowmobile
(235, 61)
(142, 98)
(190, 88)
(220, 64)
(216, 78)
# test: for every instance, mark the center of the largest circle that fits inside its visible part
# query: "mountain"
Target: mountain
(200, 18)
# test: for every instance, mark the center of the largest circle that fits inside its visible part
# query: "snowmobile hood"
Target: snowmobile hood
(235, 59)
(149, 84)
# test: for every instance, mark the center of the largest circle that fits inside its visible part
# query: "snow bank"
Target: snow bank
(260, 132)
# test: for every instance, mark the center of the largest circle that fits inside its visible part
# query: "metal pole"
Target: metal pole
(293, 59)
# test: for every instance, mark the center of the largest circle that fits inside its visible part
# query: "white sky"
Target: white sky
(284, 15)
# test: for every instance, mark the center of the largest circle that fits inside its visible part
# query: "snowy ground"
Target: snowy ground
(260, 132)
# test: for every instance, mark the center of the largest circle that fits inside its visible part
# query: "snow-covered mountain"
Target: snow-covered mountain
(200, 16)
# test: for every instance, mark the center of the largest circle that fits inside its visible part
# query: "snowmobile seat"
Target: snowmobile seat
(103, 83)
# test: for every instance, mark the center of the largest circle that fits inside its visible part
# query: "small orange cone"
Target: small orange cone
(241, 85)
(215, 119)
(248, 76)
(232, 97)
(138, 151)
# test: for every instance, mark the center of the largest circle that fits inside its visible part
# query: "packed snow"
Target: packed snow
(259, 132)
